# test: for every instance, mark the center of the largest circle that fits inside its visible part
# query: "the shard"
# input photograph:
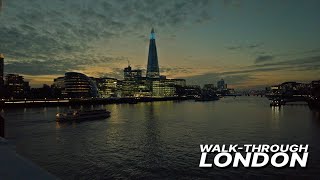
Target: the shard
(153, 65)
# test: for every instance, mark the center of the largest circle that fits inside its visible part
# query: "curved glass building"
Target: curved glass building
(78, 85)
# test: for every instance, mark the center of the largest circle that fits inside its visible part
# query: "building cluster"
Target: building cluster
(295, 88)
(133, 84)
(220, 89)
(78, 85)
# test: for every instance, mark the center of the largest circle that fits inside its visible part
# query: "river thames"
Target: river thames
(161, 139)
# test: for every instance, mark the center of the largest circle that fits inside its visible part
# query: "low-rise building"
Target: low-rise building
(17, 86)
(163, 88)
(107, 87)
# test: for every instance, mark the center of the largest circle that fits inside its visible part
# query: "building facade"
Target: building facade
(78, 85)
(193, 91)
(153, 64)
(58, 83)
(221, 84)
(107, 87)
(132, 74)
(163, 88)
(16, 86)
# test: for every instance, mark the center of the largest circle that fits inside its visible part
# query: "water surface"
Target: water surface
(161, 139)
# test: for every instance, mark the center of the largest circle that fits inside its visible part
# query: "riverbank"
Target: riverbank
(16, 167)
(91, 101)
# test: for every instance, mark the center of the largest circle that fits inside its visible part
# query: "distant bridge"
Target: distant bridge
(279, 100)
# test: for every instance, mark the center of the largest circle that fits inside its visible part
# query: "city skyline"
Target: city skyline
(247, 43)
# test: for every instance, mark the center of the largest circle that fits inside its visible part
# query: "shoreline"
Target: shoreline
(70, 102)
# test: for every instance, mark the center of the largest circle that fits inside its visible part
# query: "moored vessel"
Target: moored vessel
(80, 115)
(208, 98)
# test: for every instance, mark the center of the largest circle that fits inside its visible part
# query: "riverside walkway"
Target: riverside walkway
(14, 166)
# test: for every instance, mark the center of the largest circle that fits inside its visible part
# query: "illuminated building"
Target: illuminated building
(127, 88)
(107, 87)
(153, 65)
(16, 85)
(78, 85)
(221, 85)
(132, 74)
(142, 90)
(58, 83)
(167, 87)
(162, 88)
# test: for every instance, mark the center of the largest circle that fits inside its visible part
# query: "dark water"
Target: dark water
(161, 139)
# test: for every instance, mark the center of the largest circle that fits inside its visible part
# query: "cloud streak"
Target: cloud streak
(242, 76)
(245, 47)
(45, 37)
(61, 35)
(264, 58)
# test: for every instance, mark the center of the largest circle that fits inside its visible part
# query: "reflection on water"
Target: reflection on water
(275, 116)
(58, 125)
(316, 115)
(160, 139)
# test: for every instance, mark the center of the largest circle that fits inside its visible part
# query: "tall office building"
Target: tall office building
(131, 74)
(221, 84)
(153, 65)
(1, 70)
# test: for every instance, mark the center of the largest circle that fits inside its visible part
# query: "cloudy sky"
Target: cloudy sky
(248, 43)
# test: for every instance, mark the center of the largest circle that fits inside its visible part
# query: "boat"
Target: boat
(80, 115)
(277, 102)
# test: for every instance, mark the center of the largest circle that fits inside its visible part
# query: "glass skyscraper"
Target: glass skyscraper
(153, 65)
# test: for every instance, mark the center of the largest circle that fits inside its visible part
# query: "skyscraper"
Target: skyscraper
(221, 84)
(1, 69)
(153, 65)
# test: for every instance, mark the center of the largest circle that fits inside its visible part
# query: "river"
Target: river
(161, 139)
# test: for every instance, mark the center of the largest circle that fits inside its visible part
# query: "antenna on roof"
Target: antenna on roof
(128, 63)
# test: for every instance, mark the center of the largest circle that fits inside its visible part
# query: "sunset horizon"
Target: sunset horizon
(215, 40)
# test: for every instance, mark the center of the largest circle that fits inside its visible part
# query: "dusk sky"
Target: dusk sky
(250, 44)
